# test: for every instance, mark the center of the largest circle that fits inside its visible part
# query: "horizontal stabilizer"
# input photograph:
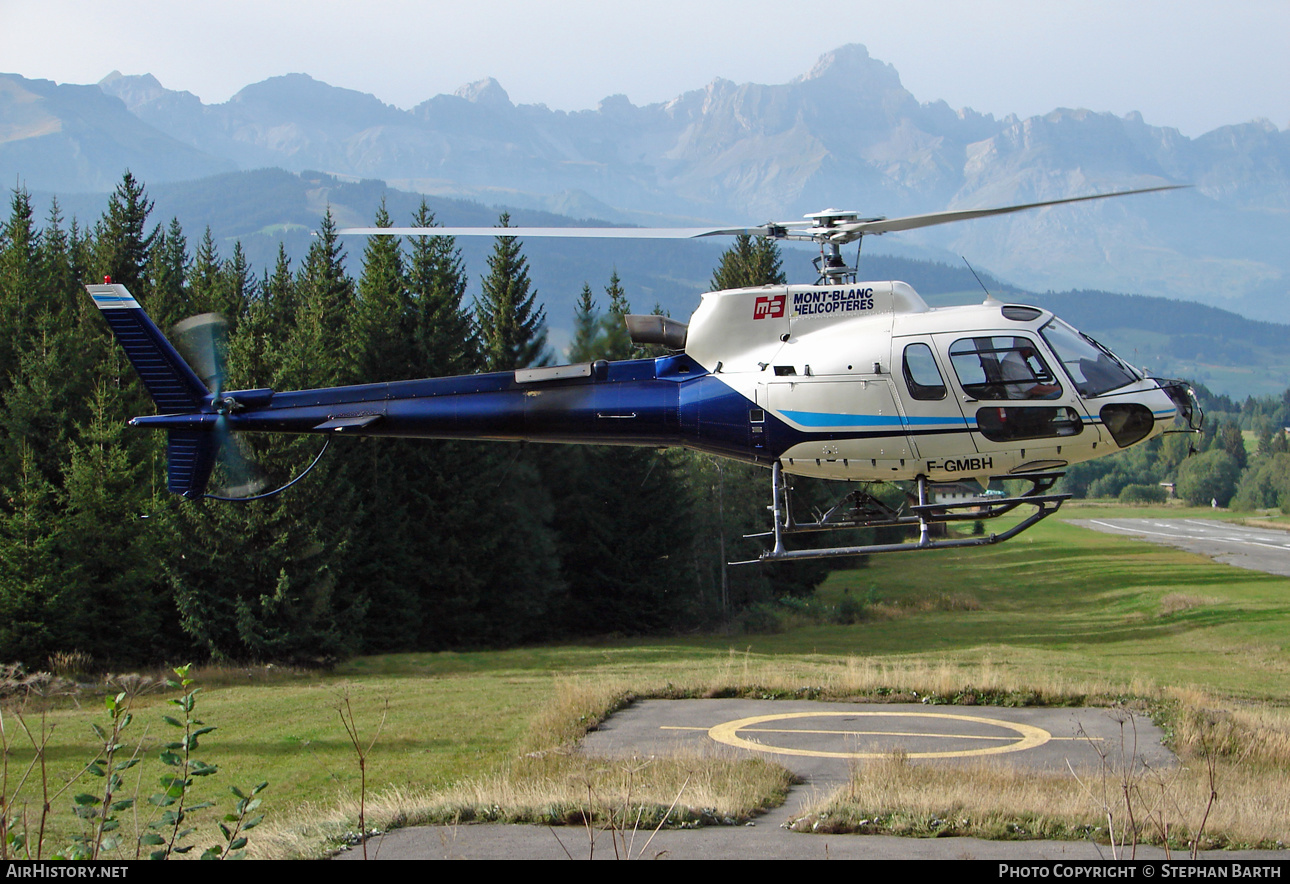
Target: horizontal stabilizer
(356, 422)
(173, 386)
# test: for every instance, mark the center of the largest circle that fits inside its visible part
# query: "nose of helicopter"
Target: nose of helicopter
(1184, 400)
(1149, 411)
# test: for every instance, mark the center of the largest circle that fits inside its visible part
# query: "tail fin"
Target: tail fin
(173, 385)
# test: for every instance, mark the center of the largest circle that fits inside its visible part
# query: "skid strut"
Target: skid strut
(861, 510)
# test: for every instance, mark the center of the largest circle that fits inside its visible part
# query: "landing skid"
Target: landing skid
(859, 509)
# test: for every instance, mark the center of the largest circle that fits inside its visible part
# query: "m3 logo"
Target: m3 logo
(769, 307)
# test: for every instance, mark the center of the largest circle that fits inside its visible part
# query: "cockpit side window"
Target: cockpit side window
(1093, 368)
(1002, 367)
(922, 377)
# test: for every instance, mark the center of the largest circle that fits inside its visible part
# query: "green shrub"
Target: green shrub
(1142, 494)
(761, 619)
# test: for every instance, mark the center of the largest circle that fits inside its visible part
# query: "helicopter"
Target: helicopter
(844, 379)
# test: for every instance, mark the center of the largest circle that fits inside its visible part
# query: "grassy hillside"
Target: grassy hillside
(1059, 615)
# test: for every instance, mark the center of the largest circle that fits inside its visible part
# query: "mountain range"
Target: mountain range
(846, 134)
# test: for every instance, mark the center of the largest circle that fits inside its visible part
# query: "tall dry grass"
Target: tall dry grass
(1240, 754)
(556, 790)
(1254, 736)
(888, 680)
(894, 796)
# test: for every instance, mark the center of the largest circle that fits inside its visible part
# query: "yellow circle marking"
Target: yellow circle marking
(728, 733)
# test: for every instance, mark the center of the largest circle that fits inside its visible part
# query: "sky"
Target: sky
(1190, 64)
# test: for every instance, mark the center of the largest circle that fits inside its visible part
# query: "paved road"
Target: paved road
(1258, 549)
(761, 842)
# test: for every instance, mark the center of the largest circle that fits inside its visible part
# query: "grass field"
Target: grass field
(1058, 615)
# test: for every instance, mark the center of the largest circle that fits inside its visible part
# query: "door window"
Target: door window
(1002, 367)
(922, 377)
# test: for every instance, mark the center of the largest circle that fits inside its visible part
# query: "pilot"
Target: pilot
(1019, 378)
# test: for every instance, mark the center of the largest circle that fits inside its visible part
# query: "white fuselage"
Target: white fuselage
(874, 384)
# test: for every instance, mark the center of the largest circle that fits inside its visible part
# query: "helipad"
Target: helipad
(818, 741)
(967, 735)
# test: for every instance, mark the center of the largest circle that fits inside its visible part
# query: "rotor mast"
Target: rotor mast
(832, 229)
(826, 229)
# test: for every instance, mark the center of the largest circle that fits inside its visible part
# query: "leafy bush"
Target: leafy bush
(761, 619)
(1265, 485)
(1142, 494)
(1208, 477)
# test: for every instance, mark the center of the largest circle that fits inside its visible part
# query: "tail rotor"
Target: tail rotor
(203, 342)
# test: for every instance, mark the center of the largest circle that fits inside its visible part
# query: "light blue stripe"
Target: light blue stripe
(825, 419)
(113, 300)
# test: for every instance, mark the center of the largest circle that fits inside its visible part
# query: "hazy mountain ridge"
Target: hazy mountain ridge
(70, 137)
(846, 134)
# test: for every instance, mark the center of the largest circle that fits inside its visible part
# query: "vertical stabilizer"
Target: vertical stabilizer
(174, 387)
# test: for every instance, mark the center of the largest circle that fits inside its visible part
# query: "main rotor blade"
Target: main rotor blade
(912, 222)
(569, 232)
(799, 230)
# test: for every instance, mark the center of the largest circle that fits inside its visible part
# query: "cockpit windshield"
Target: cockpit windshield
(1093, 368)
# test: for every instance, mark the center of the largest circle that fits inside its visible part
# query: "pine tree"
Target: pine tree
(615, 549)
(447, 582)
(617, 342)
(279, 294)
(1230, 439)
(255, 346)
(29, 564)
(57, 281)
(391, 547)
(19, 272)
(512, 325)
(585, 346)
(167, 295)
(319, 351)
(204, 276)
(121, 244)
(749, 262)
(447, 340)
(112, 598)
(258, 581)
(520, 576)
(266, 580)
(384, 320)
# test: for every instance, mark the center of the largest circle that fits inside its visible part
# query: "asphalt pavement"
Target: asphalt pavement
(763, 841)
(1257, 549)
